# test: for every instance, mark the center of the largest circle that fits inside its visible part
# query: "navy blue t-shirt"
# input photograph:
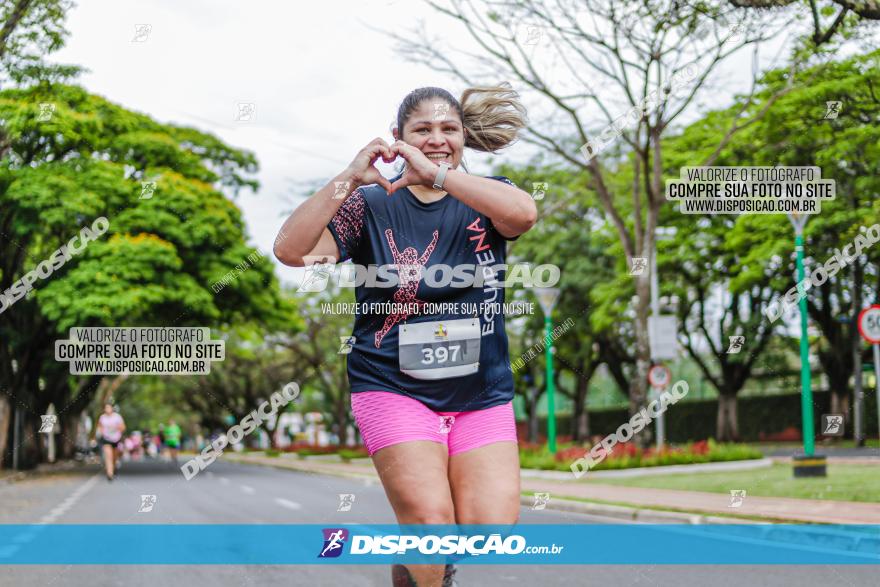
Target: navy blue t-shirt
(366, 227)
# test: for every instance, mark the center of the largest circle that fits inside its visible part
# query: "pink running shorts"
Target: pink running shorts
(385, 418)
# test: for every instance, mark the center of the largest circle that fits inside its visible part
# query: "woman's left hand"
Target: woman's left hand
(419, 169)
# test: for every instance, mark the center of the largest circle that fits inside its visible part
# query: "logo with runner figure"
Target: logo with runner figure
(441, 332)
(334, 540)
(47, 423)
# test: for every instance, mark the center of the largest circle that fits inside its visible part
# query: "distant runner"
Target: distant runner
(110, 429)
(172, 439)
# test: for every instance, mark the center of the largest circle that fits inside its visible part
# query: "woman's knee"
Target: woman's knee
(500, 511)
(427, 512)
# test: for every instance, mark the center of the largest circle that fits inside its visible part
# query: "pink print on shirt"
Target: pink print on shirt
(409, 272)
(349, 220)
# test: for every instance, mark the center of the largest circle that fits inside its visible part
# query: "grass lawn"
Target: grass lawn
(767, 446)
(844, 482)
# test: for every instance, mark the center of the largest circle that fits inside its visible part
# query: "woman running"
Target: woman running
(431, 393)
(110, 429)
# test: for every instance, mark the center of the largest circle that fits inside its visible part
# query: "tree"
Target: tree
(320, 361)
(565, 237)
(644, 55)
(754, 253)
(172, 236)
(256, 365)
(852, 9)
(31, 30)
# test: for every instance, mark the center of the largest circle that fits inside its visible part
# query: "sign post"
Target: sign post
(869, 327)
(659, 377)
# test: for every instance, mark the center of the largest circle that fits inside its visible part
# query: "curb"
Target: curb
(650, 471)
(304, 468)
(633, 514)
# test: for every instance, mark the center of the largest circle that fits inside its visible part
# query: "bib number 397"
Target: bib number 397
(440, 354)
(440, 350)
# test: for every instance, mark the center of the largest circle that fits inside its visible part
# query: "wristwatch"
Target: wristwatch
(441, 175)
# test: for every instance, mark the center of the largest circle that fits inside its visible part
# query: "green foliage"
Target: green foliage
(32, 30)
(160, 261)
(629, 456)
(760, 417)
(162, 253)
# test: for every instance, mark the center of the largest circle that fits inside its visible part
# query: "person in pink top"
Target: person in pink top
(110, 429)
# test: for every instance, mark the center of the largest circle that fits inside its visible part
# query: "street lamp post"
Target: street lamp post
(547, 297)
(808, 464)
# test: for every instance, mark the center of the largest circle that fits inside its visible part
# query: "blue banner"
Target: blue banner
(528, 544)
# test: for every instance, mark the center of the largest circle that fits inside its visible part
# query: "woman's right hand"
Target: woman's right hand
(362, 169)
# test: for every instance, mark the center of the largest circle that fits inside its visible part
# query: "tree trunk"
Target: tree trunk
(639, 382)
(733, 419)
(342, 419)
(858, 427)
(5, 426)
(533, 414)
(29, 448)
(720, 419)
(727, 423)
(581, 420)
(69, 431)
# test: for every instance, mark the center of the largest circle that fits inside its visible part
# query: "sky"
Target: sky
(321, 76)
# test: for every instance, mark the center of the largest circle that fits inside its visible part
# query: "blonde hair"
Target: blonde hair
(491, 115)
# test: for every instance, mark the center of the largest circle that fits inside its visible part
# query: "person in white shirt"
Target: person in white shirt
(110, 429)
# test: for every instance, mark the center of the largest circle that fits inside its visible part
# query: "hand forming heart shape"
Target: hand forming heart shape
(419, 169)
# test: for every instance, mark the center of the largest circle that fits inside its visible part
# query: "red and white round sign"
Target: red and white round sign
(869, 324)
(659, 376)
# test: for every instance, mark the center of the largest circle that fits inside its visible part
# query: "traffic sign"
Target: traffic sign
(662, 332)
(869, 324)
(659, 376)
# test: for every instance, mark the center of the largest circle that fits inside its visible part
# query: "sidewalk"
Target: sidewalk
(773, 508)
(770, 508)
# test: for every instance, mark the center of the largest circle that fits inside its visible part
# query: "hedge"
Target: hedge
(693, 420)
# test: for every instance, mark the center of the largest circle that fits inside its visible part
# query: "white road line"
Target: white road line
(248, 489)
(224, 481)
(8, 551)
(288, 504)
(59, 510)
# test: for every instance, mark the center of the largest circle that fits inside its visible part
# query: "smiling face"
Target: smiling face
(435, 128)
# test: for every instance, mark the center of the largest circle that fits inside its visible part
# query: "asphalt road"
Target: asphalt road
(245, 494)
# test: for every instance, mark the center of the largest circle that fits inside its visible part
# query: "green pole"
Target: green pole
(806, 389)
(551, 399)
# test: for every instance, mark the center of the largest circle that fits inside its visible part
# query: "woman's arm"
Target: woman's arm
(305, 233)
(511, 210)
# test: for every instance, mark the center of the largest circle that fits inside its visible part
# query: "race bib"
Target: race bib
(440, 350)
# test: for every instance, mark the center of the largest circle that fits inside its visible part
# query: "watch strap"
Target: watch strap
(441, 175)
